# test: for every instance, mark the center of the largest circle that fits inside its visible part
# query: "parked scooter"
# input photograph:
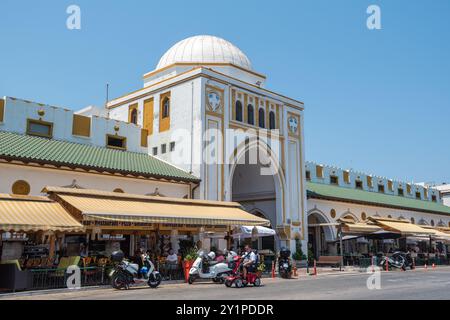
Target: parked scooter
(126, 274)
(205, 267)
(407, 258)
(396, 261)
(284, 263)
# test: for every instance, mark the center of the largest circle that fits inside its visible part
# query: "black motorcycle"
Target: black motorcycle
(284, 263)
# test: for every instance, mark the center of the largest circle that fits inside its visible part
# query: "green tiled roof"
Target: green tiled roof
(325, 191)
(28, 148)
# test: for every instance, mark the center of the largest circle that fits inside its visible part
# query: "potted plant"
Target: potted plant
(298, 256)
(260, 269)
(311, 257)
(189, 258)
(191, 254)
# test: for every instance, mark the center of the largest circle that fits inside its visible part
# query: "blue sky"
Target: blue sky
(376, 101)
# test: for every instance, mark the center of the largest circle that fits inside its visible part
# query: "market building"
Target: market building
(206, 110)
(201, 148)
(51, 149)
(203, 98)
(363, 204)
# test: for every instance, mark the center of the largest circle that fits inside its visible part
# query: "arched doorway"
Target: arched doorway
(257, 185)
(321, 234)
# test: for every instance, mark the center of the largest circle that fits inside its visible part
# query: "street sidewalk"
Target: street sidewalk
(301, 275)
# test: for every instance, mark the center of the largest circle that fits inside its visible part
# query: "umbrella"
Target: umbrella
(244, 232)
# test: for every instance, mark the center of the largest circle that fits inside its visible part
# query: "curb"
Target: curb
(82, 289)
(300, 276)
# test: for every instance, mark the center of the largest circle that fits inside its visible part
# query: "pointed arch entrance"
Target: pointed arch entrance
(257, 183)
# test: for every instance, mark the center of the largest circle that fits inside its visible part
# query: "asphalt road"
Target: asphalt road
(419, 284)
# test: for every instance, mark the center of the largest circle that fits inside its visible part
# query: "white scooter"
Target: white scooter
(216, 271)
(126, 273)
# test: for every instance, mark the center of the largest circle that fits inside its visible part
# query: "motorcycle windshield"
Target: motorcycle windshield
(201, 253)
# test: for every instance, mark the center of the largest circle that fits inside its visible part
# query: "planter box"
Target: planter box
(187, 265)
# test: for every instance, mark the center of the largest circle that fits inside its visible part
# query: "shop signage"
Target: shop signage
(14, 236)
(115, 237)
(117, 224)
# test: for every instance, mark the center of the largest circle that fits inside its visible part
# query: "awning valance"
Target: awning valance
(103, 206)
(23, 214)
(401, 226)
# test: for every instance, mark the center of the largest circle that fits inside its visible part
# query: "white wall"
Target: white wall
(446, 200)
(231, 71)
(39, 177)
(290, 203)
(376, 180)
(18, 111)
(184, 98)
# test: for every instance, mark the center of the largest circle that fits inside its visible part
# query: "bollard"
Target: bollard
(387, 264)
(315, 268)
(433, 266)
(414, 263)
(273, 269)
(295, 271)
(426, 267)
(373, 265)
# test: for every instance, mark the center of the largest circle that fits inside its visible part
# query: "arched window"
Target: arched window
(21, 187)
(133, 116)
(432, 222)
(413, 221)
(272, 123)
(363, 216)
(250, 114)
(423, 222)
(262, 118)
(166, 108)
(238, 111)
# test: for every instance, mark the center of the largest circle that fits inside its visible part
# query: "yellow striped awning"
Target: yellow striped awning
(437, 234)
(25, 213)
(444, 229)
(107, 206)
(401, 226)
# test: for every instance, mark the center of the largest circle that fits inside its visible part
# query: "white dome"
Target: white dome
(204, 49)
